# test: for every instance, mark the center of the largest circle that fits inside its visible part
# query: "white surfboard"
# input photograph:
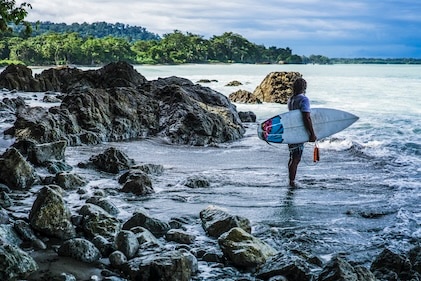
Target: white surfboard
(289, 128)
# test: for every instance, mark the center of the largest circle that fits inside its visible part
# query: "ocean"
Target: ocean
(363, 195)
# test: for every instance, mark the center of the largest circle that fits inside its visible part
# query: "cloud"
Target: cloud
(337, 28)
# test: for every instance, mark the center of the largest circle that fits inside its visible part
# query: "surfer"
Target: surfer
(299, 101)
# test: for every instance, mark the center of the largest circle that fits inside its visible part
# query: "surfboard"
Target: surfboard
(289, 128)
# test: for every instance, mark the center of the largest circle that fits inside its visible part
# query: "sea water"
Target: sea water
(363, 195)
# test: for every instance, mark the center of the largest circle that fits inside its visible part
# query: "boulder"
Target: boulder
(140, 218)
(116, 103)
(216, 221)
(340, 269)
(180, 236)
(289, 266)
(112, 161)
(276, 87)
(105, 204)
(69, 181)
(196, 181)
(96, 221)
(18, 77)
(15, 171)
(247, 116)
(127, 243)
(392, 266)
(172, 265)
(15, 264)
(137, 182)
(144, 236)
(243, 249)
(50, 215)
(243, 96)
(41, 154)
(79, 249)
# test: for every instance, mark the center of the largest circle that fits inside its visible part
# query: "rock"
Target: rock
(243, 96)
(179, 236)
(276, 87)
(4, 216)
(173, 265)
(41, 154)
(137, 182)
(112, 161)
(216, 221)
(96, 221)
(15, 171)
(79, 249)
(155, 226)
(243, 249)
(103, 105)
(151, 169)
(69, 181)
(127, 243)
(388, 264)
(8, 235)
(339, 269)
(104, 246)
(105, 204)
(234, 83)
(5, 200)
(27, 234)
(15, 264)
(415, 258)
(196, 181)
(247, 116)
(289, 266)
(144, 236)
(18, 77)
(50, 215)
(117, 259)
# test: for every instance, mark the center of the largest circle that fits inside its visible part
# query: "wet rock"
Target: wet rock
(15, 171)
(8, 235)
(4, 217)
(145, 237)
(104, 246)
(216, 221)
(112, 161)
(5, 200)
(197, 181)
(103, 105)
(289, 266)
(50, 215)
(117, 259)
(41, 154)
(415, 258)
(27, 234)
(243, 96)
(234, 83)
(127, 243)
(276, 87)
(155, 226)
(137, 182)
(151, 169)
(247, 116)
(79, 249)
(180, 236)
(243, 249)
(96, 221)
(340, 269)
(15, 264)
(392, 266)
(69, 181)
(173, 265)
(18, 77)
(105, 204)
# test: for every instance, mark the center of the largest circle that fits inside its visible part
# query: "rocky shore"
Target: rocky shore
(57, 241)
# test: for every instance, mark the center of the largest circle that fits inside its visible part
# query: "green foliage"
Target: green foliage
(12, 14)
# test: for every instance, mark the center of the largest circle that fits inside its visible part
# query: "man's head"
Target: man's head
(300, 86)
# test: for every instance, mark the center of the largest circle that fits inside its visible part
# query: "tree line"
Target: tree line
(58, 48)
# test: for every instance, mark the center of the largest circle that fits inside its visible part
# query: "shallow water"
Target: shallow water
(362, 196)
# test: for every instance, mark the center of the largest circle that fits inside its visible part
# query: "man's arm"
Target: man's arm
(309, 126)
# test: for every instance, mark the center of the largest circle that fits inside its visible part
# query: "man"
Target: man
(299, 101)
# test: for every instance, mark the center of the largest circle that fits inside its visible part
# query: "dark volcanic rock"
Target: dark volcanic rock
(116, 103)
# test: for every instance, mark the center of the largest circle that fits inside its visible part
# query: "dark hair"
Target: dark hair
(300, 86)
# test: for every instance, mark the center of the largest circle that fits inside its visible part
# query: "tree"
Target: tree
(11, 14)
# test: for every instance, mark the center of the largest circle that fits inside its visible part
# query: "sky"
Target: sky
(332, 28)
